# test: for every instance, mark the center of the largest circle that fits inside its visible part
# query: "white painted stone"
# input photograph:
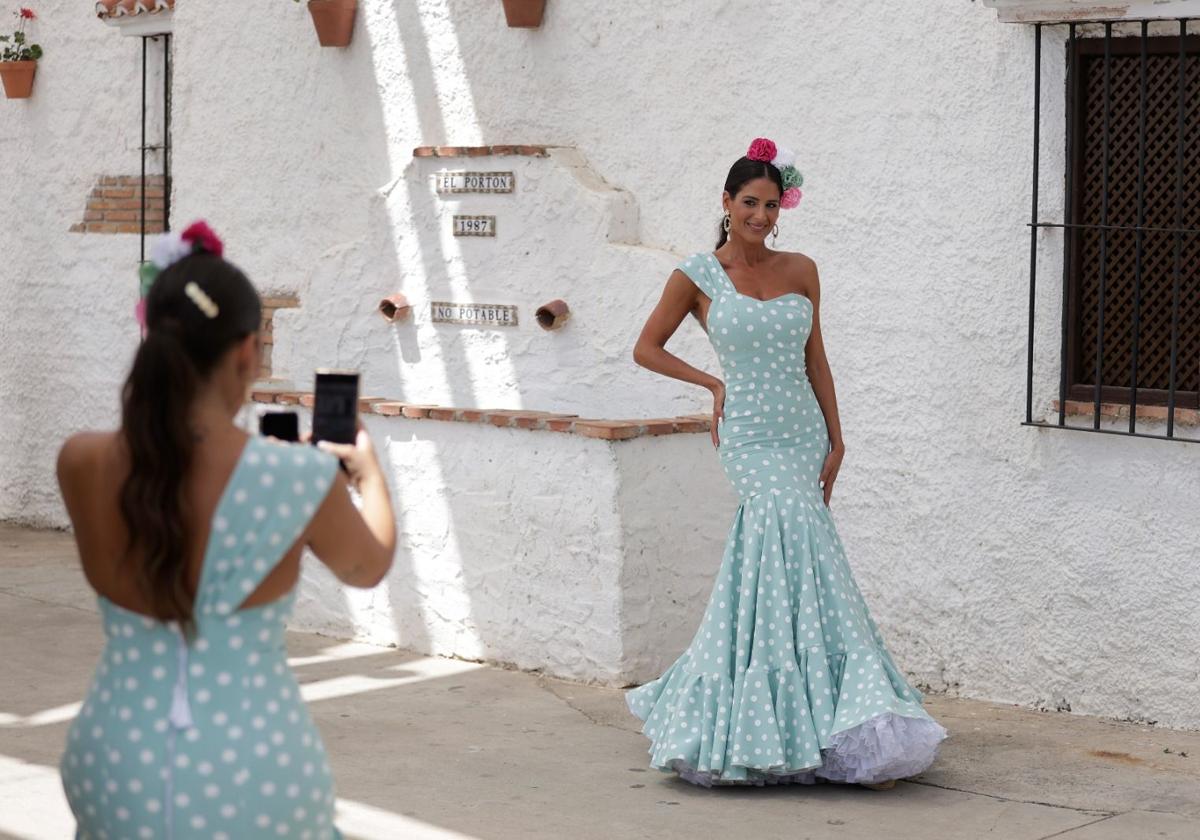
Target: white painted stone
(1065, 11)
(1001, 561)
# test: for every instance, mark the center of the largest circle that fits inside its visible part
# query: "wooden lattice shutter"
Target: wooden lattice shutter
(1158, 248)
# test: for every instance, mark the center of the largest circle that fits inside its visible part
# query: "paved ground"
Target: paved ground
(435, 749)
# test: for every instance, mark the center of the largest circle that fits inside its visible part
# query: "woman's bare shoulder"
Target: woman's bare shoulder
(83, 452)
(802, 271)
(797, 261)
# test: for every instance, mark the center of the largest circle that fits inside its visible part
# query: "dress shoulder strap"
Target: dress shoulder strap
(269, 501)
(704, 270)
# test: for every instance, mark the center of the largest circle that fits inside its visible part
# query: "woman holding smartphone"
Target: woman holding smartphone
(191, 533)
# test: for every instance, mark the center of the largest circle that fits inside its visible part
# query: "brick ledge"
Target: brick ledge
(480, 151)
(603, 429)
(1120, 411)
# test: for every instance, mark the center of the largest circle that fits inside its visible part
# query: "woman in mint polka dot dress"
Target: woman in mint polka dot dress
(191, 533)
(787, 679)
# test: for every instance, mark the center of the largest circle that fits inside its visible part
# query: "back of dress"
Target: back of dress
(210, 739)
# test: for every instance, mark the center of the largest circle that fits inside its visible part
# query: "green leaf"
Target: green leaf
(35, 52)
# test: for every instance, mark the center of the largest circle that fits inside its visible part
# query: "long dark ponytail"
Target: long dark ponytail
(182, 346)
(741, 173)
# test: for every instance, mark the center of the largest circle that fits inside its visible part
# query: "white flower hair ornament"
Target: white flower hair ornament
(169, 249)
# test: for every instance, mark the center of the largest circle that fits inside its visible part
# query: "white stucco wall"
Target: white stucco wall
(1001, 561)
(537, 549)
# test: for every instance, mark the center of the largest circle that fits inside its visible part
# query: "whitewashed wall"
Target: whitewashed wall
(537, 549)
(1003, 562)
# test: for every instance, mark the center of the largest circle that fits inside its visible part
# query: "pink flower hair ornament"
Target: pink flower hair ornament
(169, 249)
(784, 160)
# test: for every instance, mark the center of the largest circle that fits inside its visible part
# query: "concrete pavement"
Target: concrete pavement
(437, 749)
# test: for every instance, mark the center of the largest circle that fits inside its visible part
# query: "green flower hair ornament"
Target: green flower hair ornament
(791, 177)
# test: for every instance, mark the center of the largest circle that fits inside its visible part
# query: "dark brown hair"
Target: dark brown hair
(181, 348)
(741, 173)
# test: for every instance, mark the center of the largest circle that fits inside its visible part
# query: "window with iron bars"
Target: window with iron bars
(1130, 331)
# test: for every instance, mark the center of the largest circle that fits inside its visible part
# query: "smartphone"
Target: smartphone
(335, 406)
(284, 425)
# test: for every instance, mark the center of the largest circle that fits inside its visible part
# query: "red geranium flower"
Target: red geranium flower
(27, 14)
(200, 234)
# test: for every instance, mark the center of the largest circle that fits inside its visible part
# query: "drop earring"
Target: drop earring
(774, 234)
(726, 223)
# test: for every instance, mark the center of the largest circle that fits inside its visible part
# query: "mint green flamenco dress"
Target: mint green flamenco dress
(788, 678)
(208, 737)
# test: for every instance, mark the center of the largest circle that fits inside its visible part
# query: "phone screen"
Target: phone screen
(335, 406)
(284, 425)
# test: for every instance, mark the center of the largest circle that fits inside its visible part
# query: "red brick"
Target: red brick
(121, 215)
(660, 427)
(308, 399)
(608, 429)
(128, 227)
(280, 302)
(78, 227)
(472, 415)
(365, 403)
(93, 216)
(288, 398)
(425, 151)
(561, 425)
(450, 151)
(114, 192)
(388, 408)
(443, 414)
(692, 425)
(534, 151)
(416, 412)
(262, 395)
(505, 150)
(530, 422)
(477, 151)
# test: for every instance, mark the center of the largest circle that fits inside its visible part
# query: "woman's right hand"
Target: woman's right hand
(718, 393)
(362, 464)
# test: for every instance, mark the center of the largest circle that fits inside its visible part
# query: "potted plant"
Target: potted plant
(18, 59)
(524, 14)
(334, 21)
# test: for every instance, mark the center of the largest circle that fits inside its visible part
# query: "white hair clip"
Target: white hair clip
(203, 302)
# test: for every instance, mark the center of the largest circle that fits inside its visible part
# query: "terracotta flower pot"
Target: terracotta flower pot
(553, 315)
(524, 14)
(334, 20)
(394, 308)
(18, 78)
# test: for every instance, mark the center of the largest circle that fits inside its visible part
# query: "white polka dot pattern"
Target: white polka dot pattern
(788, 678)
(211, 739)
